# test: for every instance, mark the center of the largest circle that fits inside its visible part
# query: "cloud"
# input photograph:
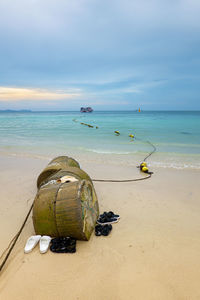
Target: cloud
(108, 49)
(18, 94)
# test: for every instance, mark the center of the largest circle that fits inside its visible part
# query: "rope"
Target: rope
(125, 180)
(154, 150)
(7, 247)
(14, 240)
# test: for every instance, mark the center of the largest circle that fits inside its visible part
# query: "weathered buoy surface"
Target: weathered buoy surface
(54, 166)
(66, 205)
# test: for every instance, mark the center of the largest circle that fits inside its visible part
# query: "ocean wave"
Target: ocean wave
(170, 144)
(157, 160)
(175, 165)
(109, 151)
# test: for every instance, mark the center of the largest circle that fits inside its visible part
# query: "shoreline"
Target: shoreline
(156, 160)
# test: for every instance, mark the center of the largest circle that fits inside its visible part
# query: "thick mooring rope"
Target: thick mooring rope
(125, 180)
(14, 240)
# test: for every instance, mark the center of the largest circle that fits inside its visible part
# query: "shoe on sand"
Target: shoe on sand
(107, 221)
(63, 245)
(31, 243)
(103, 229)
(44, 243)
(110, 214)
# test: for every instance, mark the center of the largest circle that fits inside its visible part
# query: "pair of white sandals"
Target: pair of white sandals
(34, 239)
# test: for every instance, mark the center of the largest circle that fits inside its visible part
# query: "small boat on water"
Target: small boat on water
(86, 109)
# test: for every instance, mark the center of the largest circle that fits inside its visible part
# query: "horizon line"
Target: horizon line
(116, 110)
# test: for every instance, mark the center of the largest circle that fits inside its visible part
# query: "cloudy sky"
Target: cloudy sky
(110, 54)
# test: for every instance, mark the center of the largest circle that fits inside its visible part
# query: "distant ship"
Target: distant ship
(86, 109)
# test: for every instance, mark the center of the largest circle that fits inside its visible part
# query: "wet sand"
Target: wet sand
(152, 253)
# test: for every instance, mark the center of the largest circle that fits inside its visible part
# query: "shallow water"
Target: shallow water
(175, 134)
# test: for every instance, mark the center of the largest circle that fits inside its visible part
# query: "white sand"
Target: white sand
(152, 253)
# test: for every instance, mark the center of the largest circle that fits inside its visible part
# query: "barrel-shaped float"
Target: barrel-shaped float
(54, 166)
(66, 205)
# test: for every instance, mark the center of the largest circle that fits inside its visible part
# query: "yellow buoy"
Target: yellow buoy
(143, 164)
(145, 169)
(131, 135)
(117, 132)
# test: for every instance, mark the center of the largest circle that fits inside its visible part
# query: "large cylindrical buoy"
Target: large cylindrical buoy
(66, 205)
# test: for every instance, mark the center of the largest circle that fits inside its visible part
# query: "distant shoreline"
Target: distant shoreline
(71, 111)
(11, 110)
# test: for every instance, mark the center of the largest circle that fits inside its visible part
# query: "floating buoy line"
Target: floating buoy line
(143, 168)
(143, 165)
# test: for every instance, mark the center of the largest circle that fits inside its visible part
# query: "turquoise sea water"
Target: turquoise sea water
(176, 135)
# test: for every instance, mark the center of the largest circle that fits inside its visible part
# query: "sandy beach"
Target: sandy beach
(152, 253)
